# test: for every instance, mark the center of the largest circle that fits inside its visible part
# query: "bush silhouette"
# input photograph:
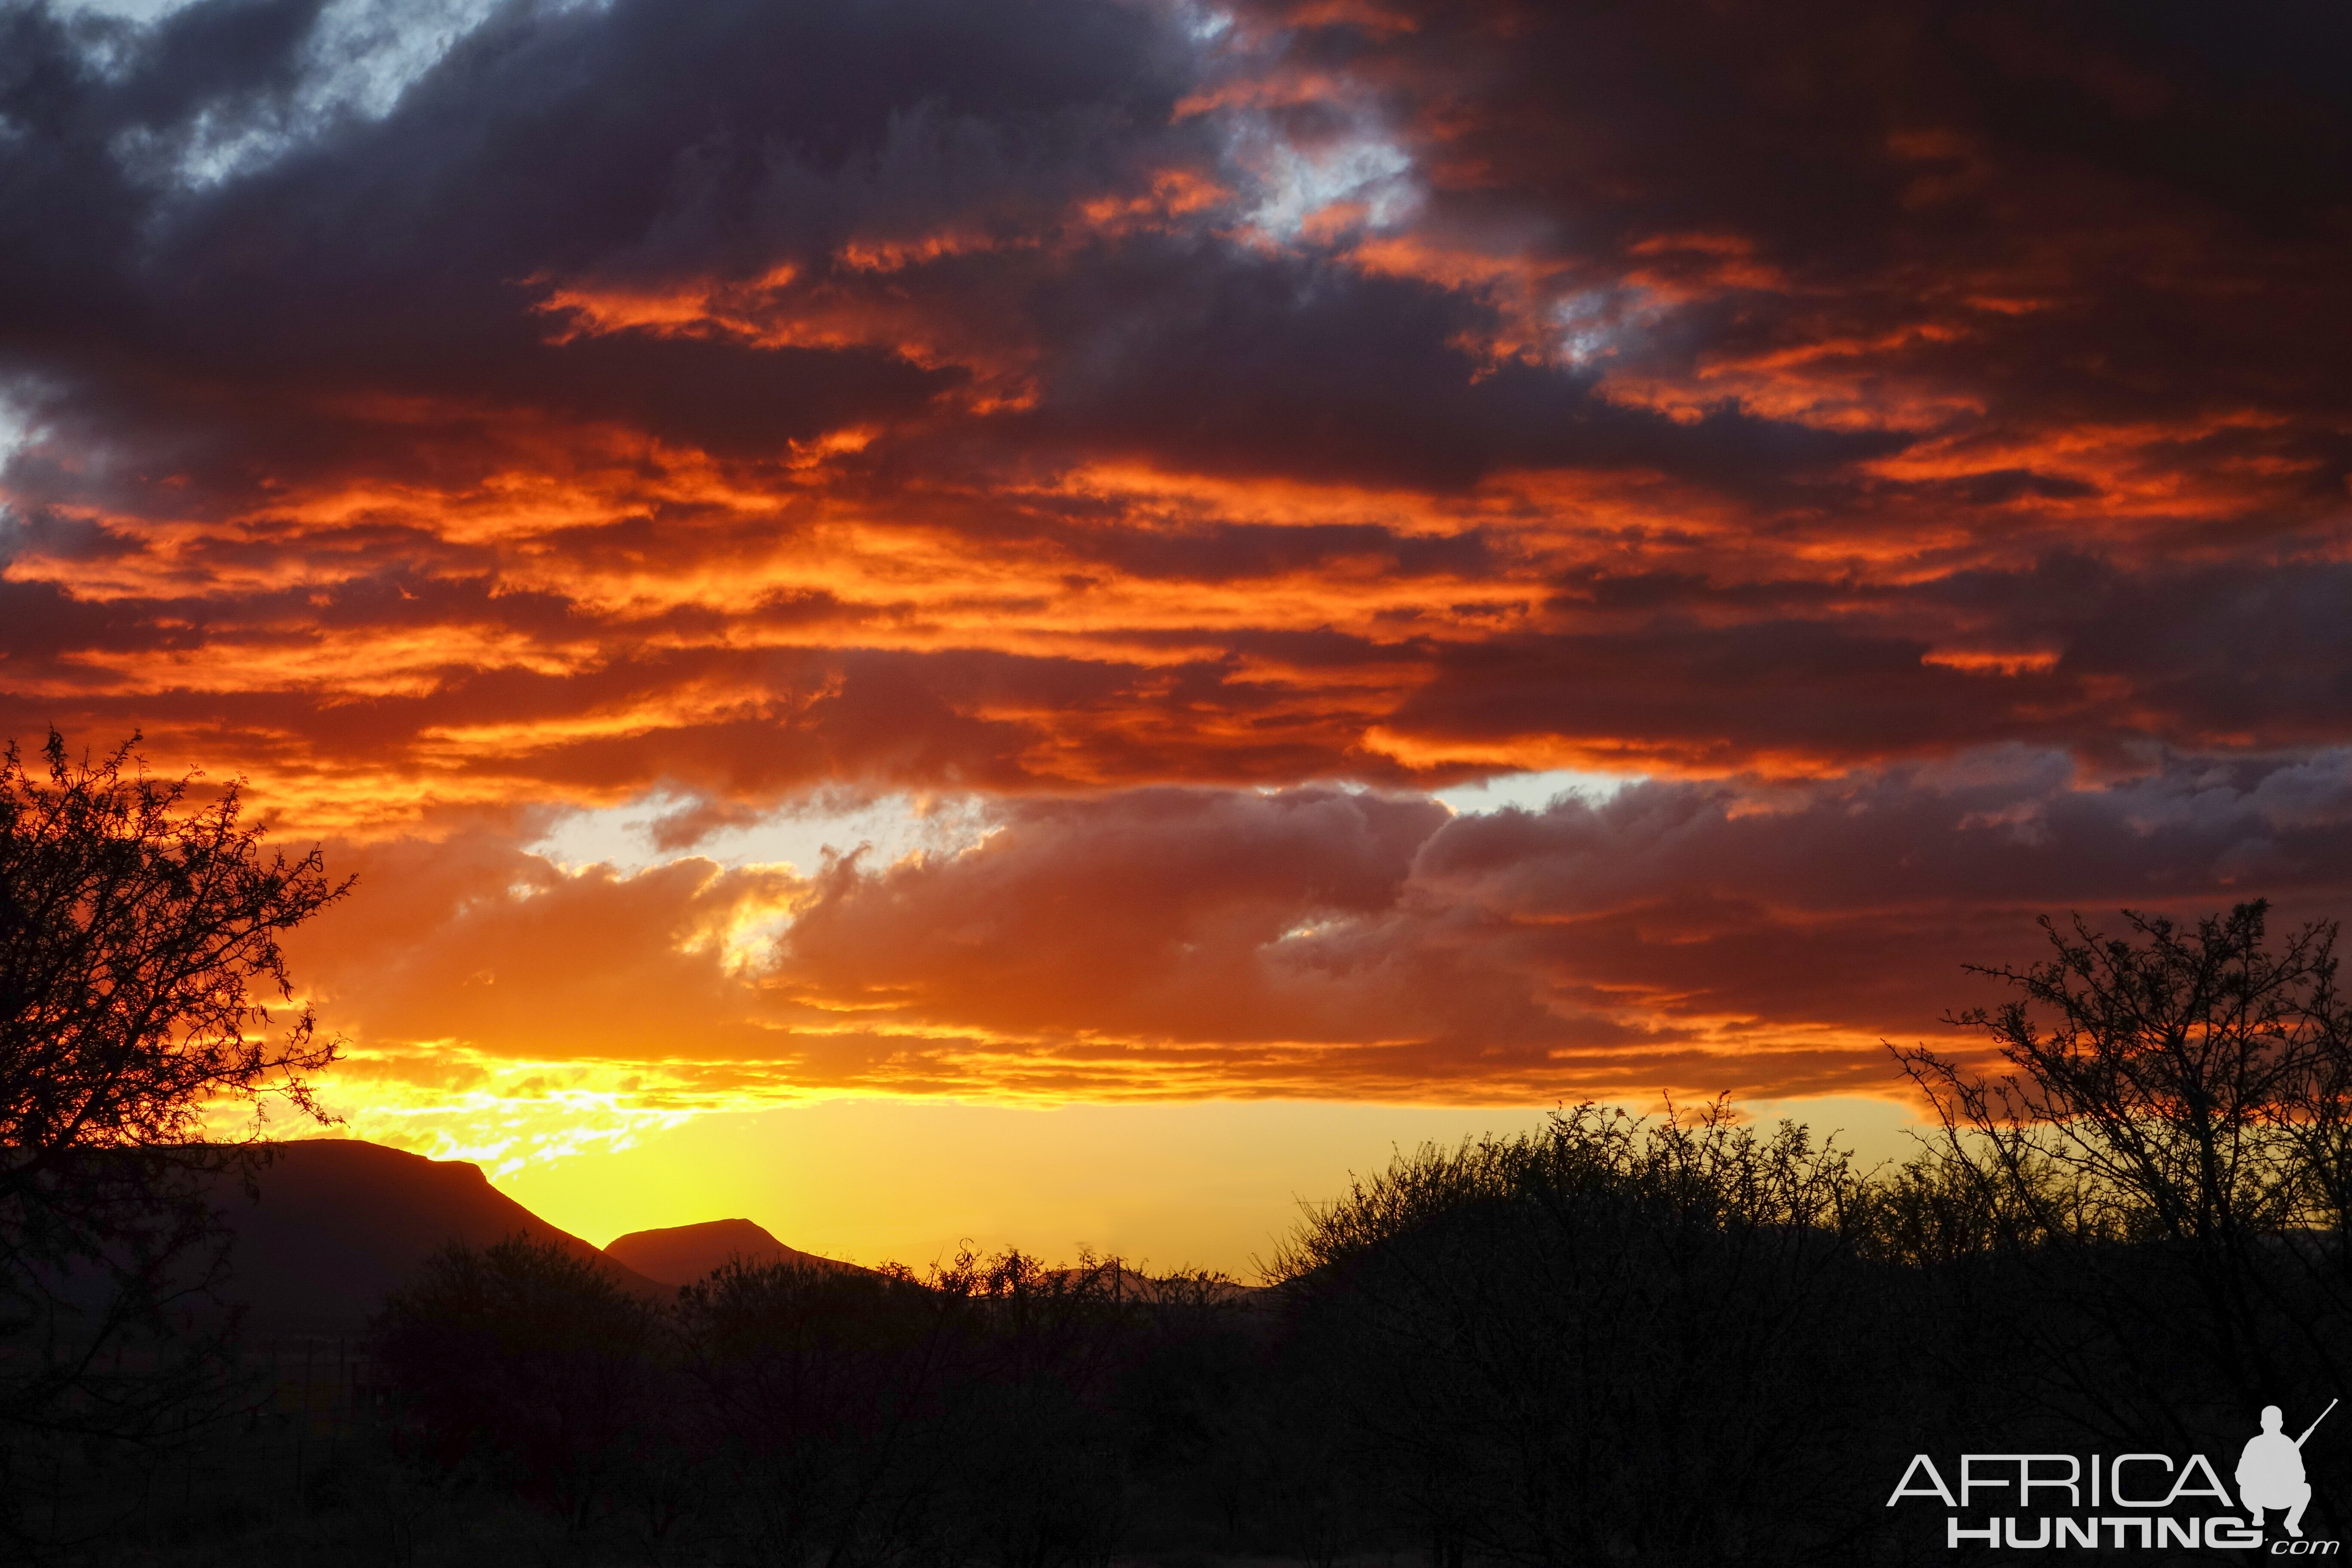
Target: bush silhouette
(1608, 1337)
(527, 1361)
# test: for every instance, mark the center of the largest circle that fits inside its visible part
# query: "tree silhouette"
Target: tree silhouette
(2164, 1168)
(135, 926)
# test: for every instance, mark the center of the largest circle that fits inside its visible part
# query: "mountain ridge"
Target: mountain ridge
(683, 1254)
(333, 1224)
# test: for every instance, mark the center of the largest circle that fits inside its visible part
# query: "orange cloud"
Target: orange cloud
(1192, 445)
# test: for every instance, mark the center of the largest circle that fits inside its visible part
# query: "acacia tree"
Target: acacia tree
(2166, 1155)
(136, 927)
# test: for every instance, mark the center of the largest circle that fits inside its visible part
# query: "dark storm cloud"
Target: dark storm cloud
(1233, 364)
(1712, 695)
(37, 620)
(230, 327)
(1226, 551)
(2169, 194)
(2202, 655)
(1584, 946)
(2113, 211)
(402, 257)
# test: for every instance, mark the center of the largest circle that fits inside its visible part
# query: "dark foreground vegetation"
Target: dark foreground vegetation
(1674, 1341)
(1678, 1341)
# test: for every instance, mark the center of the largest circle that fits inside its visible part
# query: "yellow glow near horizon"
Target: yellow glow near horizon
(1205, 1183)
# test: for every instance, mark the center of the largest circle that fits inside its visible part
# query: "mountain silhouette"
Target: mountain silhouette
(682, 1254)
(339, 1223)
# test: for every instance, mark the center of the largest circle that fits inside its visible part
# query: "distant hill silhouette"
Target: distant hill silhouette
(339, 1223)
(682, 1254)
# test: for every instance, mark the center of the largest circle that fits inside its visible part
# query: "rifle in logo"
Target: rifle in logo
(2269, 1471)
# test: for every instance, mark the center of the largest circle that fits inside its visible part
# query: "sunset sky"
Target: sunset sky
(1056, 621)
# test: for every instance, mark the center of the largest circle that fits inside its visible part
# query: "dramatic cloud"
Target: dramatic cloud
(1912, 438)
(1187, 942)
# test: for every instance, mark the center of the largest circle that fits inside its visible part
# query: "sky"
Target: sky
(1041, 607)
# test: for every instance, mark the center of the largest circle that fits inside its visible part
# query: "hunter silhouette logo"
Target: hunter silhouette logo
(2161, 1503)
(2270, 1472)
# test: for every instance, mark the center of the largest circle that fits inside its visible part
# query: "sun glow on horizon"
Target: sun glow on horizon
(1208, 1184)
